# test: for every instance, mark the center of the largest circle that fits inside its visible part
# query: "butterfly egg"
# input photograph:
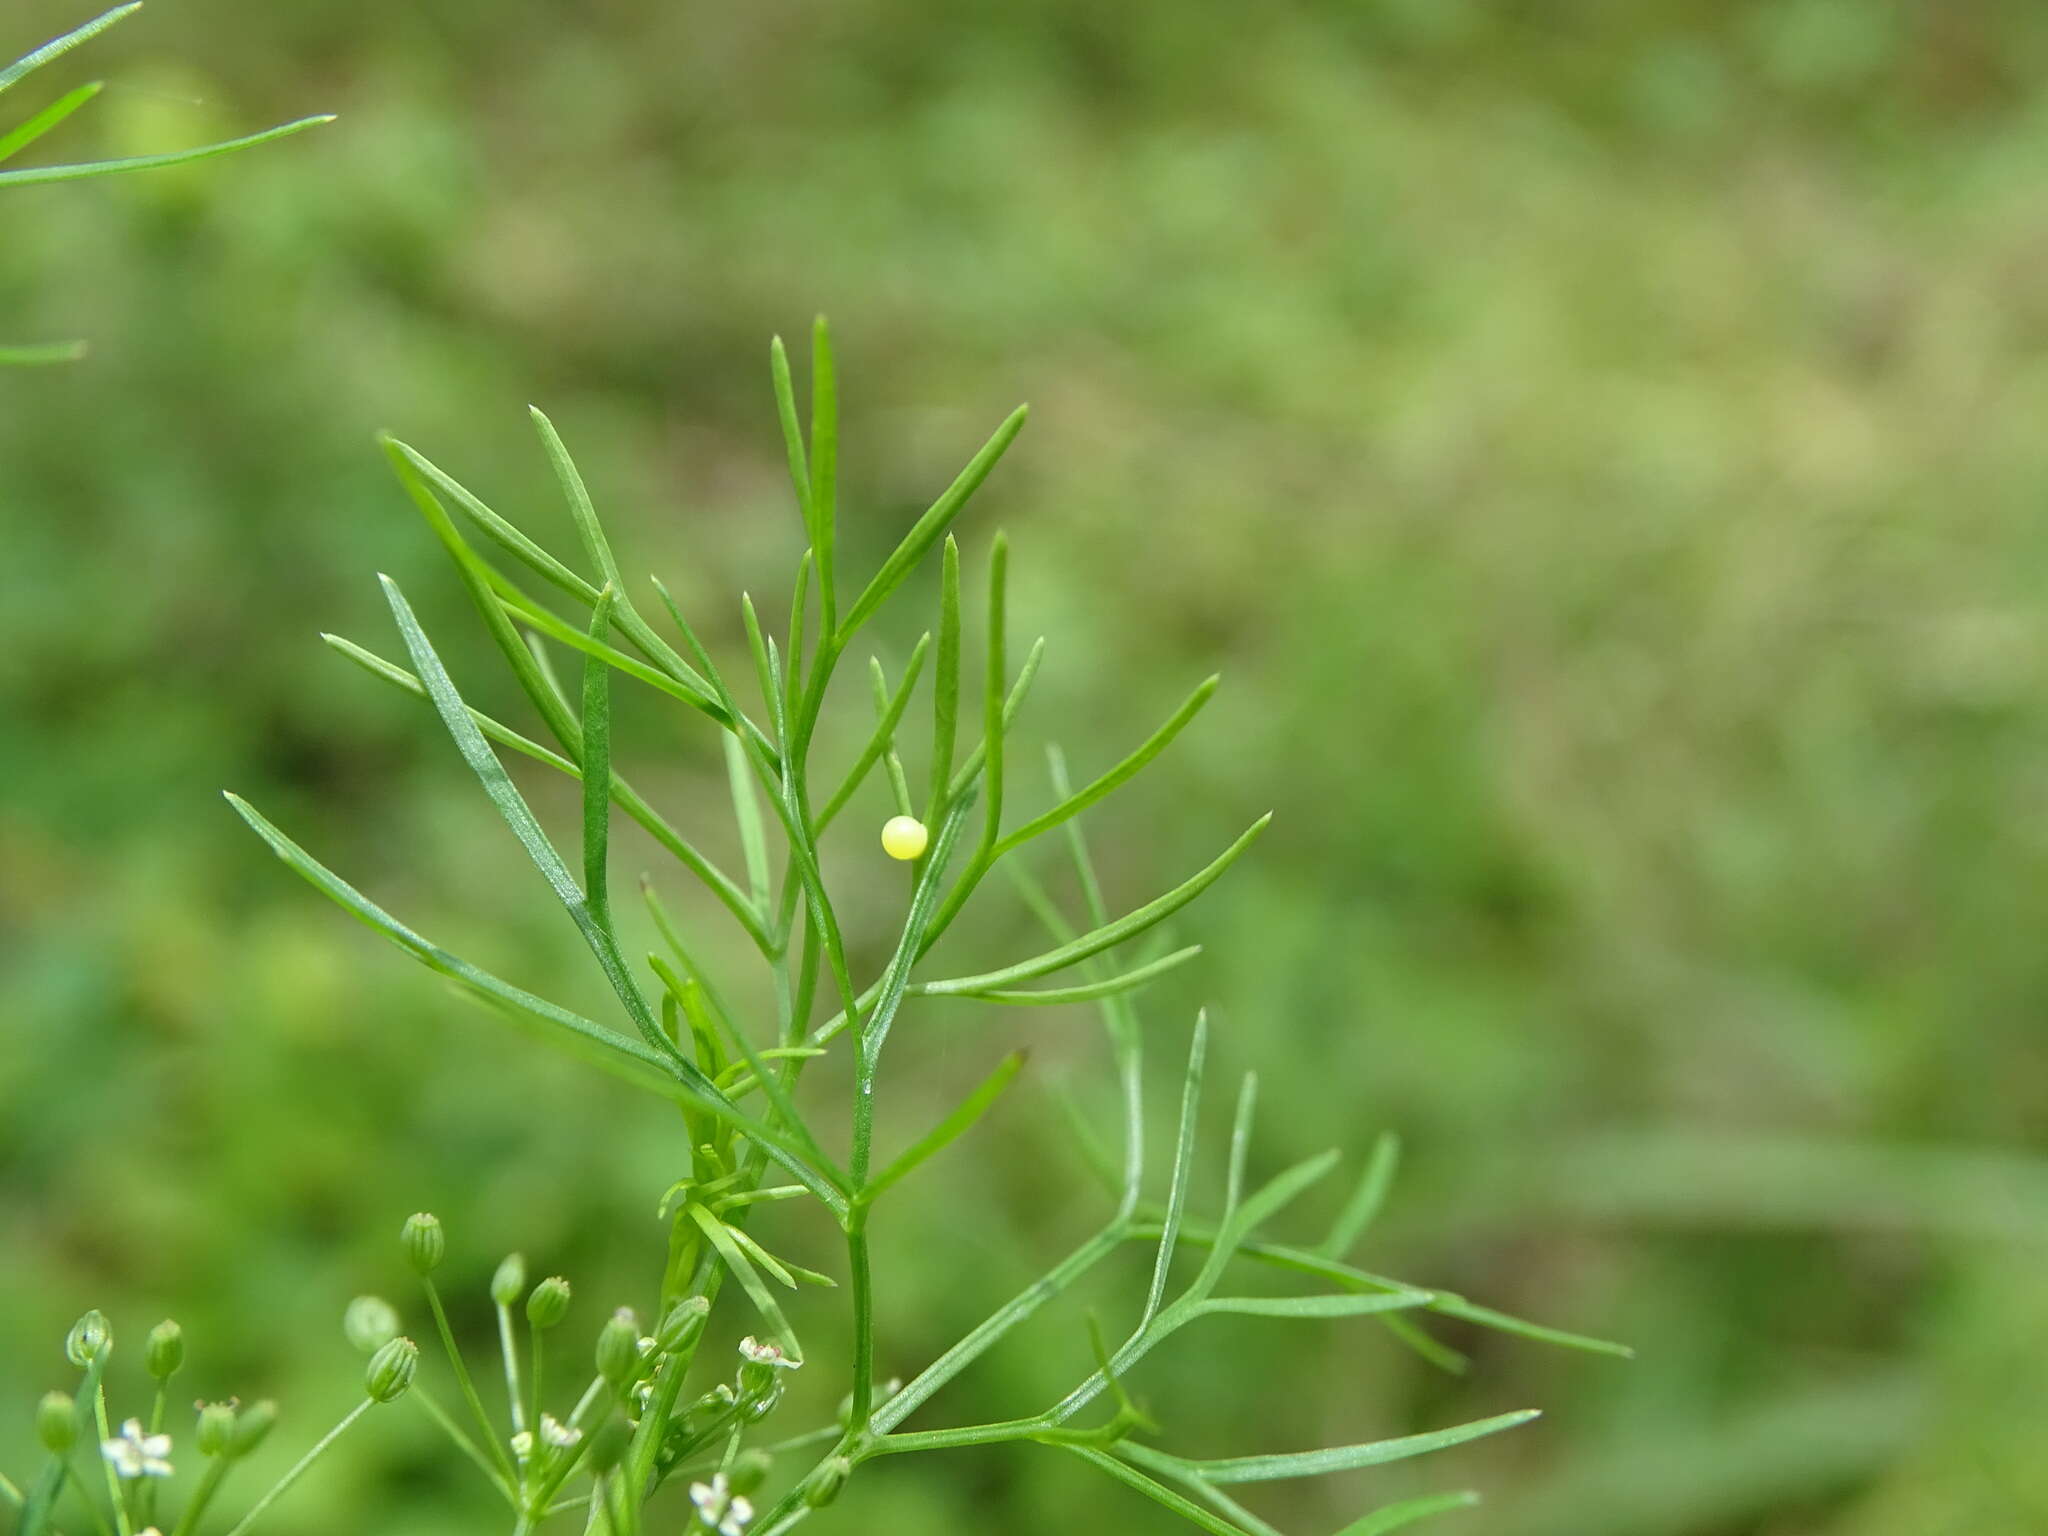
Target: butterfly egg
(904, 837)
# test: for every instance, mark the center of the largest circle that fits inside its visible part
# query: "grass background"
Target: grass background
(1600, 446)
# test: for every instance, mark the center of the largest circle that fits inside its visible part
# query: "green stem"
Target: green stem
(463, 1443)
(511, 1354)
(115, 1494)
(77, 1486)
(299, 1467)
(499, 1454)
(209, 1485)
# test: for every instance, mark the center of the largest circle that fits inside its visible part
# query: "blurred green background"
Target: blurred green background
(1600, 445)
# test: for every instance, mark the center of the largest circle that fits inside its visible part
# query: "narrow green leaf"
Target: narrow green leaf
(1086, 992)
(928, 528)
(970, 770)
(1272, 1197)
(792, 437)
(1157, 1492)
(597, 770)
(1366, 1201)
(56, 48)
(1118, 776)
(766, 673)
(1347, 1304)
(1111, 934)
(628, 799)
(500, 531)
(825, 470)
(1183, 1170)
(945, 684)
(15, 141)
(1382, 1522)
(950, 1129)
(748, 1277)
(1344, 1458)
(899, 784)
(874, 1027)
(581, 509)
(49, 173)
(994, 686)
(1501, 1322)
(878, 742)
(793, 678)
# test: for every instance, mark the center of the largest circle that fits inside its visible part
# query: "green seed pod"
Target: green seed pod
(608, 1445)
(216, 1428)
(370, 1323)
(90, 1337)
(509, 1280)
(165, 1351)
(749, 1471)
(425, 1242)
(57, 1422)
(252, 1424)
(391, 1370)
(618, 1348)
(826, 1482)
(685, 1321)
(549, 1303)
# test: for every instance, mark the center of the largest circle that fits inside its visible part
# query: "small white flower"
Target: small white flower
(522, 1445)
(561, 1436)
(719, 1507)
(135, 1454)
(753, 1350)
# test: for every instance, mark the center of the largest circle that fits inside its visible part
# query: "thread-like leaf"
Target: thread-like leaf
(1086, 992)
(14, 141)
(877, 742)
(597, 771)
(945, 683)
(1344, 1458)
(1183, 1171)
(1347, 1304)
(825, 471)
(1382, 1522)
(50, 173)
(1111, 934)
(951, 1129)
(1121, 774)
(1156, 1491)
(928, 528)
(57, 47)
(1366, 1199)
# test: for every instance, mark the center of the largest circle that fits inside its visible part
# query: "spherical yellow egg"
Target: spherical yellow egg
(904, 837)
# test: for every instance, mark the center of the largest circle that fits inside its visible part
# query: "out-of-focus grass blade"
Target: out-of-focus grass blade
(878, 742)
(1183, 1170)
(928, 528)
(597, 770)
(824, 472)
(17, 139)
(1366, 1200)
(1127, 926)
(950, 1129)
(57, 47)
(1344, 1458)
(1158, 1492)
(1381, 1522)
(1086, 992)
(41, 355)
(1118, 776)
(746, 811)
(49, 173)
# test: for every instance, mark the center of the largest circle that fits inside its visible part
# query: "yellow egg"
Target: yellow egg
(903, 837)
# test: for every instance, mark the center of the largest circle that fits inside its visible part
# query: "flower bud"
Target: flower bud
(57, 1422)
(252, 1424)
(165, 1351)
(425, 1242)
(391, 1370)
(216, 1428)
(826, 1482)
(618, 1348)
(509, 1280)
(749, 1471)
(685, 1321)
(608, 1445)
(549, 1303)
(370, 1323)
(90, 1337)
